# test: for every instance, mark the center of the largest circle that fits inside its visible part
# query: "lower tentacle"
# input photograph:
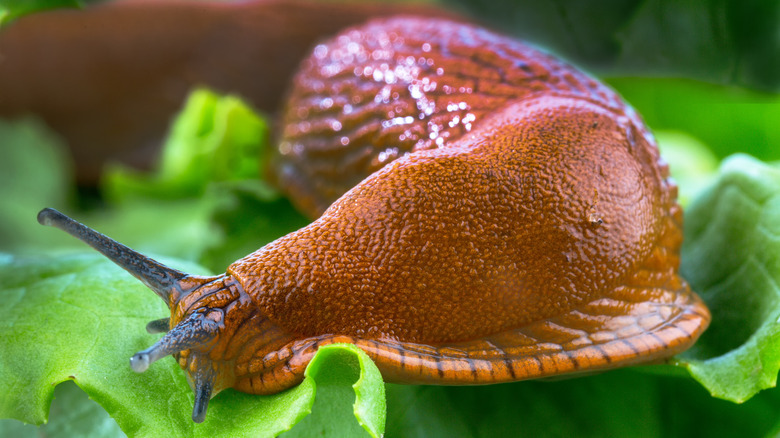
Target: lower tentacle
(158, 326)
(203, 380)
(196, 331)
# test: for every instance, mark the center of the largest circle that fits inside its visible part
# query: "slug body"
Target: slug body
(525, 225)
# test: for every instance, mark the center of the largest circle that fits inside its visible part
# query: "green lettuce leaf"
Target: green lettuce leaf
(208, 188)
(691, 163)
(213, 139)
(334, 369)
(731, 257)
(79, 318)
(726, 119)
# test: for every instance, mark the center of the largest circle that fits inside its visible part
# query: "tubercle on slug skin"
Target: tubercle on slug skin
(541, 239)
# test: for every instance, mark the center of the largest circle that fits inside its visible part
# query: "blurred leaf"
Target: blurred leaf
(13, 9)
(213, 139)
(691, 163)
(621, 403)
(81, 318)
(247, 221)
(726, 42)
(206, 201)
(731, 257)
(723, 42)
(582, 31)
(180, 228)
(726, 119)
(72, 414)
(35, 172)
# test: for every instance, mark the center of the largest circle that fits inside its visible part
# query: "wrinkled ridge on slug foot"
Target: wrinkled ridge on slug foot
(541, 349)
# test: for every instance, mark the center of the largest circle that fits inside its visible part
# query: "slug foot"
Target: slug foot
(616, 331)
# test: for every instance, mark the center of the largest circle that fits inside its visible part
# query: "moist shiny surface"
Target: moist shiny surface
(377, 92)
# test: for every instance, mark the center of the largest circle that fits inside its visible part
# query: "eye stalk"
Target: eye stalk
(164, 281)
(158, 326)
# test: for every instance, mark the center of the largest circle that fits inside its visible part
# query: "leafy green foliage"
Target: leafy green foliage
(87, 317)
(213, 139)
(58, 309)
(693, 163)
(722, 42)
(34, 169)
(731, 257)
(617, 403)
(71, 414)
(726, 119)
(334, 370)
(207, 184)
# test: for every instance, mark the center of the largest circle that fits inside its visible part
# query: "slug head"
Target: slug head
(203, 310)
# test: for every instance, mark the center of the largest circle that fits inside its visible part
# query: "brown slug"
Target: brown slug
(488, 214)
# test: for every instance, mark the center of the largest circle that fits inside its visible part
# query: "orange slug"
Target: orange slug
(486, 213)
